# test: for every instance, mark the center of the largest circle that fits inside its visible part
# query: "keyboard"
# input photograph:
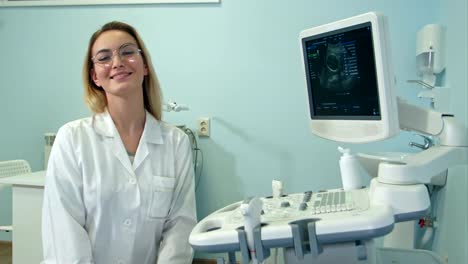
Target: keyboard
(338, 215)
(302, 205)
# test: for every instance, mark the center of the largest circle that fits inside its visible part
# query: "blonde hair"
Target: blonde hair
(95, 97)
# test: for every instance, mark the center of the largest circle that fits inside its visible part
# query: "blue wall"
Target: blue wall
(452, 238)
(237, 62)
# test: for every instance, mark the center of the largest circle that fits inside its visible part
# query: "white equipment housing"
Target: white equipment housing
(349, 80)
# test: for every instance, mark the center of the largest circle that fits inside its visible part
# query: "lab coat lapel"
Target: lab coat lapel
(104, 125)
(151, 135)
(121, 153)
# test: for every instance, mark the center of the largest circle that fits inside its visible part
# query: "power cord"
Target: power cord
(198, 167)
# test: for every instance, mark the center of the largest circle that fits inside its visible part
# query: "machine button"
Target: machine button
(307, 196)
(285, 204)
(302, 206)
(323, 209)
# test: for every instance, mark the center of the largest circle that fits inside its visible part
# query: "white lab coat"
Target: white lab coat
(99, 208)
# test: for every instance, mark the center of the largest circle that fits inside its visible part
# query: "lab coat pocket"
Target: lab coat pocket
(162, 191)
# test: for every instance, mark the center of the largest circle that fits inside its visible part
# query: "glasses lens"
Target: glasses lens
(128, 52)
(103, 57)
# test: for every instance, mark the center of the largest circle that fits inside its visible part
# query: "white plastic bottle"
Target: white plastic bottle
(352, 173)
(277, 188)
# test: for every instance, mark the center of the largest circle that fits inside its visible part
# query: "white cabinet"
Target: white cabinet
(27, 191)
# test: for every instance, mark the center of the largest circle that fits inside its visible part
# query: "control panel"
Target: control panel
(337, 215)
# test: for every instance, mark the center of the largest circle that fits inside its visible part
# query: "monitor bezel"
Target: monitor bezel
(359, 130)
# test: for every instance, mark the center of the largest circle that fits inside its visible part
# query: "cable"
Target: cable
(197, 166)
(428, 233)
(194, 143)
(200, 172)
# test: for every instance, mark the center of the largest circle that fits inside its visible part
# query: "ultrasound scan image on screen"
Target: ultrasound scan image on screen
(341, 74)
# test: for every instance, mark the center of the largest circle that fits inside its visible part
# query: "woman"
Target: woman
(119, 184)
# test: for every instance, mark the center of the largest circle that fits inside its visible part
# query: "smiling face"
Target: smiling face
(123, 75)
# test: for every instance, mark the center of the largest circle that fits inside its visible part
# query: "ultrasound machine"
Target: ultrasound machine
(351, 95)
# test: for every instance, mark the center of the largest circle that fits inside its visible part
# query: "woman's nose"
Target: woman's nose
(116, 60)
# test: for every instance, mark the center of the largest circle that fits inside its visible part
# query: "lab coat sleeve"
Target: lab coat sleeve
(63, 214)
(174, 247)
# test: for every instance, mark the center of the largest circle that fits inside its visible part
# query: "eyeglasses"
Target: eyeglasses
(127, 52)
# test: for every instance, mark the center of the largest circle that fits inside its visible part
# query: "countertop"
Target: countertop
(33, 179)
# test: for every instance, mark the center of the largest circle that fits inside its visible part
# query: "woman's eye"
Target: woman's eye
(127, 52)
(104, 58)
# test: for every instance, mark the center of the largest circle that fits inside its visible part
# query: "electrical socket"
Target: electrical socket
(204, 127)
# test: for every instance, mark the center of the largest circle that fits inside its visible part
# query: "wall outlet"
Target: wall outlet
(204, 127)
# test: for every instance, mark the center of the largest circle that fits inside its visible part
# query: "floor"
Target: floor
(5, 252)
(6, 255)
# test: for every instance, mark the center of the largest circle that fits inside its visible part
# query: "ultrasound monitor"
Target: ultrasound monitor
(349, 79)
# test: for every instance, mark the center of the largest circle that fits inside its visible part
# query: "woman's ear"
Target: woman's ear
(93, 75)
(145, 70)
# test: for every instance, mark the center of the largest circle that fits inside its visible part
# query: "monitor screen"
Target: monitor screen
(341, 71)
(349, 79)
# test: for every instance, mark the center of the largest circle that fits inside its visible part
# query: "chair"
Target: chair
(8, 169)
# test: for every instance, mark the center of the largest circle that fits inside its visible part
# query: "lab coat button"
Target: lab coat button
(132, 180)
(127, 222)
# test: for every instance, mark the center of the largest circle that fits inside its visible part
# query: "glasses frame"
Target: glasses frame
(114, 53)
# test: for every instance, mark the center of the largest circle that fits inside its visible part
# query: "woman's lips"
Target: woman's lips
(120, 75)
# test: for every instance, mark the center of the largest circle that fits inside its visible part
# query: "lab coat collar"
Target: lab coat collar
(152, 135)
(152, 132)
(104, 125)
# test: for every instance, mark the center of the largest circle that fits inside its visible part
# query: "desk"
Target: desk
(28, 191)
